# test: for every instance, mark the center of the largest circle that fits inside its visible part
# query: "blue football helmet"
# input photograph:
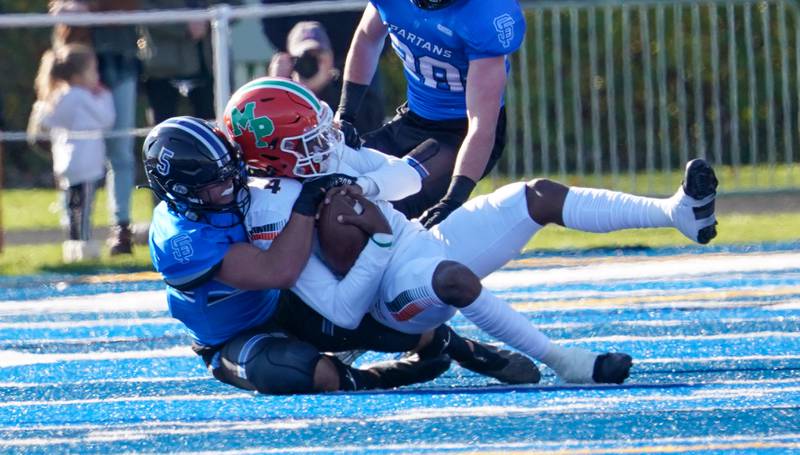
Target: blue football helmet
(183, 156)
(431, 4)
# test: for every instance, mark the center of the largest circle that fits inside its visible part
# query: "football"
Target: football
(340, 243)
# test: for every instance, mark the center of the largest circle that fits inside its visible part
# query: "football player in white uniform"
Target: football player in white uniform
(429, 275)
(303, 125)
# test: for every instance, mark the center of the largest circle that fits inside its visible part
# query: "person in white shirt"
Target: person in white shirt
(75, 109)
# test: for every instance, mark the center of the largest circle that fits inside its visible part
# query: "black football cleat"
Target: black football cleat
(506, 366)
(409, 370)
(693, 211)
(612, 368)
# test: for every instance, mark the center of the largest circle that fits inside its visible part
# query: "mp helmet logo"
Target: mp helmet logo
(246, 120)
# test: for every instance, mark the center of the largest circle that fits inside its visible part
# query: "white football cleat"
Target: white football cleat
(576, 365)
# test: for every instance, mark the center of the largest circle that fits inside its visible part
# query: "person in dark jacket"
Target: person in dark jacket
(339, 26)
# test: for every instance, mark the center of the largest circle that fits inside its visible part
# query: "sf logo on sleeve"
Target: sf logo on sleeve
(504, 24)
(182, 248)
(246, 120)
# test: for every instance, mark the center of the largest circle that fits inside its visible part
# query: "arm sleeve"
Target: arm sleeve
(344, 302)
(393, 178)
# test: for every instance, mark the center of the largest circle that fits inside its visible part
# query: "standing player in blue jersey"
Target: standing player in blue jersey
(224, 290)
(454, 54)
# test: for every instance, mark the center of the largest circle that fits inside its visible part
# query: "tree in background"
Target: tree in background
(23, 47)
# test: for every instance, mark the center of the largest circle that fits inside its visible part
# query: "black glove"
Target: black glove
(314, 191)
(460, 189)
(351, 137)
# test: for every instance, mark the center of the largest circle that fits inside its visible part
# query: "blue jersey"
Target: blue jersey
(436, 47)
(188, 255)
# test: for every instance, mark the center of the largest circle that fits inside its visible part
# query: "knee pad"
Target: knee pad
(270, 364)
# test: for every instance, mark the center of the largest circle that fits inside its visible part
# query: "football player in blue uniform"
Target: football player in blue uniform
(454, 54)
(223, 289)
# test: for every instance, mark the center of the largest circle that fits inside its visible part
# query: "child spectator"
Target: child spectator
(75, 109)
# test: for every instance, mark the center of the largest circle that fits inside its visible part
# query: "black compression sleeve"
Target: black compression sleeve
(350, 101)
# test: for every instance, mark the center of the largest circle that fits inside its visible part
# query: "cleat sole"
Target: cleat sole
(707, 234)
(699, 180)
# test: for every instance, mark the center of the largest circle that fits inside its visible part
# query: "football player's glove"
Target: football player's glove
(314, 191)
(351, 137)
(457, 195)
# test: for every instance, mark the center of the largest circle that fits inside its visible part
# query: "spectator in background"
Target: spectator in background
(69, 34)
(309, 60)
(177, 63)
(339, 27)
(119, 67)
(70, 99)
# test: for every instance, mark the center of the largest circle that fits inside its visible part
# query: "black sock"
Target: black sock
(354, 379)
(446, 341)
(491, 359)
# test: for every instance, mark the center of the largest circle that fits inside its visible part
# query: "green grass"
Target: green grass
(41, 208)
(743, 179)
(733, 229)
(31, 209)
(44, 258)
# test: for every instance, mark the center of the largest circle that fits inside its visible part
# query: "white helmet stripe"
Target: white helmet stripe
(285, 84)
(218, 149)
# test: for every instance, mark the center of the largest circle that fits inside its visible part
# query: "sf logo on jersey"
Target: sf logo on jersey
(181, 246)
(246, 120)
(504, 25)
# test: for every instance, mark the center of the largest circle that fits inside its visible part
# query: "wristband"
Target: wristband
(352, 95)
(382, 239)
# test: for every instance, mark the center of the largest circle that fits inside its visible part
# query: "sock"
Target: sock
(575, 365)
(595, 210)
(351, 379)
(495, 317)
(446, 341)
(487, 359)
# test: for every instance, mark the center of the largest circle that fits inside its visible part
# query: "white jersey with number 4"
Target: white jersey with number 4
(395, 284)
